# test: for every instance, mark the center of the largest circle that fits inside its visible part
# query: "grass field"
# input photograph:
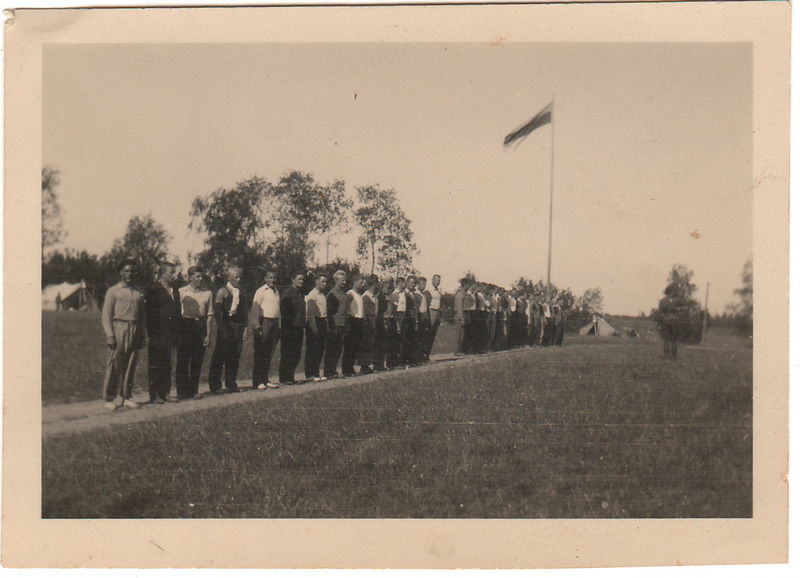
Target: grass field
(603, 427)
(74, 357)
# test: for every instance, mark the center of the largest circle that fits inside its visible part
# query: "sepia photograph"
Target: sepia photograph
(398, 279)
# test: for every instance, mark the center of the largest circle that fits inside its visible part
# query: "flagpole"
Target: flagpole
(552, 164)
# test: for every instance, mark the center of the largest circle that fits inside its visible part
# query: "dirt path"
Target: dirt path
(90, 415)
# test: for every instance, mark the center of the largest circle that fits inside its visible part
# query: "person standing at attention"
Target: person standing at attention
(265, 321)
(230, 314)
(123, 325)
(194, 329)
(293, 321)
(316, 327)
(337, 324)
(162, 310)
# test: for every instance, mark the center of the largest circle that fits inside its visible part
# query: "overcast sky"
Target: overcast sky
(653, 149)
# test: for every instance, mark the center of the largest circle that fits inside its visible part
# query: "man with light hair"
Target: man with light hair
(293, 322)
(384, 322)
(161, 303)
(337, 324)
(366, 350)
(354, 307)
(230, 314)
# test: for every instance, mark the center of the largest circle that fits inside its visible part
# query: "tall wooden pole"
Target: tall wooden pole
(552, 164)
(705, 314)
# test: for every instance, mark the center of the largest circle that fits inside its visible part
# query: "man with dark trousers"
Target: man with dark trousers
(419, 349)
(194, 329)
(366, 350)
(384, 324)
(230, 313)
(316, 327)
(293, 322)
(161, 310)
(337, 324)
(354, 307)
(399, 305)
(265, 321)
(410, 329)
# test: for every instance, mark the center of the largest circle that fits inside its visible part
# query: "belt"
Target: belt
(432, 309)
(125, 321)
(192, 318)
(270, 318)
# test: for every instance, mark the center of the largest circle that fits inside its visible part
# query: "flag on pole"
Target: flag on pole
(542, 118)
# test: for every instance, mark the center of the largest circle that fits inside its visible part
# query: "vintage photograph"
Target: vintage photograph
(311, 273)
(397, 280)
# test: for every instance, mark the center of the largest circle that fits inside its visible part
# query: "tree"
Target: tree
(679, 308)
(52, 227)
(145, 240)
(262, 225)
(742, 312)
(233, 223)
(386, 239)
(591, 302)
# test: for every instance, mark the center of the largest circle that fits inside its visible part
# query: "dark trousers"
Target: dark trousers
(315, 346)
(333, 349)
(394, 339)
(436, 321)
(501, 335)
(461, 334)
(159, 367)
(381, 348)
(367, 347)
(291, 346)
(408, 342)
(352, 341)
(226, 355)
(191, 333)
(420, 341)
(263, 346)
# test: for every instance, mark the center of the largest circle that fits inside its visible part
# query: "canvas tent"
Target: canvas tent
(603, 328)
(73, 296)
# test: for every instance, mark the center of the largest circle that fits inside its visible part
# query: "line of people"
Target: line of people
(377, 325)
(489, 318)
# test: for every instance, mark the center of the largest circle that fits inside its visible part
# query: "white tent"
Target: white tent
(603, 328)
(72, 296)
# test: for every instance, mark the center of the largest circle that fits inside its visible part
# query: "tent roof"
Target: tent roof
(603, 328)
(50, 292)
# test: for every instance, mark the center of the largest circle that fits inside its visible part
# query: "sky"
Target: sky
(651, 149)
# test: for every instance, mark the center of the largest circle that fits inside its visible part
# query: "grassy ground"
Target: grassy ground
(598, 428)
(74, 357)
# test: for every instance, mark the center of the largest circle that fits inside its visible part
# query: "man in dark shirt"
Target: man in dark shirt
(230, 314)
(293, 322)
(337, 324)
(161, 312)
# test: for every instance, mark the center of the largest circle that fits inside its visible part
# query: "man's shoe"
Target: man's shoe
(197, 396)
(110, 405)
(324, 378)
(171, 399)
(157, 400)
(129, 403)
(215, 392)
(233, 389)
(271, 385)
(262, 386)
(316, 379)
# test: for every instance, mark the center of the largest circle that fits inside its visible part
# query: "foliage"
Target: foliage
(386, 239)
(742, 312)
(591, 302)
(262, 226)
(145, 240)
(52, 227)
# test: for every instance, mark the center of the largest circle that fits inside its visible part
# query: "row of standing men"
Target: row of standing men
(489, 318)
(378, 324)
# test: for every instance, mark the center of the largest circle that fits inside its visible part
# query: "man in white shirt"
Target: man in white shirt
(434, 299)
(420, 345)
(369, 300)
(265, 320)
(316, 327)
(398, 300)
(194, 328)
(355, 317)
